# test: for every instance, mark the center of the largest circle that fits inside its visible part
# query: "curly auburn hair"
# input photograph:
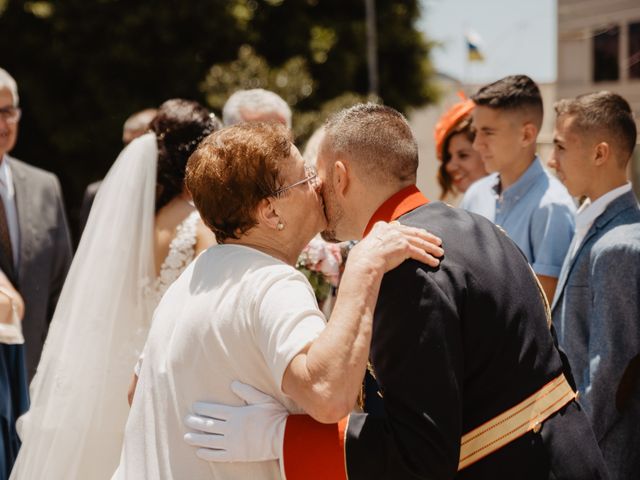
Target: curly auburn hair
(179, 126)
(232, 170)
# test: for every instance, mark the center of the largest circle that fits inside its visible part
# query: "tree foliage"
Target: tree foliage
(291, 80)
(83, 66)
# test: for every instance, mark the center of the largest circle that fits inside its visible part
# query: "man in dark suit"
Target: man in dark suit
(472, 383)
(35, 254)
(40, 242)
(596, 309)
(44, 251)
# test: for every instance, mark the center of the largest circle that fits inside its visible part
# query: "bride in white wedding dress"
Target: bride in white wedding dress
(142, 232)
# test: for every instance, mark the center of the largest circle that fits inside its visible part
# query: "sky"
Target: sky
(518, 36)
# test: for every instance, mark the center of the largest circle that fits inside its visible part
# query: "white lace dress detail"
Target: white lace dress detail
(181, 252)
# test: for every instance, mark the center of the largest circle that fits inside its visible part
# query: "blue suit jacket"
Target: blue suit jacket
(596, 312)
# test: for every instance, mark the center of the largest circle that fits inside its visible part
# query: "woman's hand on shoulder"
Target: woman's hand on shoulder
(390, 244)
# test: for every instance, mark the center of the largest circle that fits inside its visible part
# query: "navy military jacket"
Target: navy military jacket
(453, 347)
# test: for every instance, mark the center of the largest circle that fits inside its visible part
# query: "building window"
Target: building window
(634, 50)
(606, 53)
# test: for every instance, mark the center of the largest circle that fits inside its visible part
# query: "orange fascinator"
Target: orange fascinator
(450, 119)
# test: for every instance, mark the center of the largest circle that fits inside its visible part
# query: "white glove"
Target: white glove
(250, 433)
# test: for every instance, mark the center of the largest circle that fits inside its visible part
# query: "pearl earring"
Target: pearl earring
(280, 226)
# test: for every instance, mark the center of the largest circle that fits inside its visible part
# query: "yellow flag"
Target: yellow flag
(473, 47)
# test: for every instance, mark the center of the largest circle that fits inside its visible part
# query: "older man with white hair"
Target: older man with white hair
(38, 255)
(35, 254)
(256, 105)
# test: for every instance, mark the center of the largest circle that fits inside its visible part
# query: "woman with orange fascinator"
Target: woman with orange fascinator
(460, 163)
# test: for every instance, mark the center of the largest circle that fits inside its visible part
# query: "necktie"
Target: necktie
(6, 251)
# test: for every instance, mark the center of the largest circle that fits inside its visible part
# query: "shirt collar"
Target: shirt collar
(401, 202)
(6, 179)
(520, 186)
(589, 211)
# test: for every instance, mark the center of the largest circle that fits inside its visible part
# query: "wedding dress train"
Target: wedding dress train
(79, 407)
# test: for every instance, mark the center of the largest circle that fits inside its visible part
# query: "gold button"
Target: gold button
(537, 427)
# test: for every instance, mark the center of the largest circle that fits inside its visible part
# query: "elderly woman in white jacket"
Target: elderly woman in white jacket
(242, 311)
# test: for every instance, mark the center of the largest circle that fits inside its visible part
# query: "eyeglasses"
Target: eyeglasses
(10, 114)
(311, 177)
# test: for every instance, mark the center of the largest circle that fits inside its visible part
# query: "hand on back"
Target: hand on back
(390, 244)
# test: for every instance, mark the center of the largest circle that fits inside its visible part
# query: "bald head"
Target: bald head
(137, 124)
(376, 140)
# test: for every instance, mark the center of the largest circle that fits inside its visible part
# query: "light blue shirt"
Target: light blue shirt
(536, 211)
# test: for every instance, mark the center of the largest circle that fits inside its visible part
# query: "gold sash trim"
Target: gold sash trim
(515, 422)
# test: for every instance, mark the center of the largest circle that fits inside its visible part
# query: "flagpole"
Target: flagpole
(465, 58)
(465, 67)
(474, 53)
(372, 57)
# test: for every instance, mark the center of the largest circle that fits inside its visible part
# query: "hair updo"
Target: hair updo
(179, 126)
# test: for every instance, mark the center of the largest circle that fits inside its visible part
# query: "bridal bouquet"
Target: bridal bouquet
(321, 262)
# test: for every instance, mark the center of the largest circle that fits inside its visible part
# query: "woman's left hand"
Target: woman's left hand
(390, 244)
(10, 301)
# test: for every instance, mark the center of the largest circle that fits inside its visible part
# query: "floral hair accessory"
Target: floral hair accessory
(213, 124)
(449, 120)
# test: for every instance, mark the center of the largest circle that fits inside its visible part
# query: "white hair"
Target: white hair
(8, 82)
(312, 147)
(258, 101)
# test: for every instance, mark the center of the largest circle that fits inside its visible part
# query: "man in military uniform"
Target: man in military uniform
(472, 381)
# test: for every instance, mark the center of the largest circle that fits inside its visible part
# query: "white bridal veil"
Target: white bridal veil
(79, 404)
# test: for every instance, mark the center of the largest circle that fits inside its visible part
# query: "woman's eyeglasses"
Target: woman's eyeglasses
(311, 177)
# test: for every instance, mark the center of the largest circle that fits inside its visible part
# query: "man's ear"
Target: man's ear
(267, 213)
(602, 154)
(340, 178)
(529, 134)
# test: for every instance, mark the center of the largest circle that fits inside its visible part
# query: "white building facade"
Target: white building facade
(599, 49)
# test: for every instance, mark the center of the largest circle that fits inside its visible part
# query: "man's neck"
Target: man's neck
(372, 200)
(604, 184)
(399, 203)
(512, 173)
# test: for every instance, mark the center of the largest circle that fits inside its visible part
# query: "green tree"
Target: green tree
(84, 65)
(314, 55)
(331, 35)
